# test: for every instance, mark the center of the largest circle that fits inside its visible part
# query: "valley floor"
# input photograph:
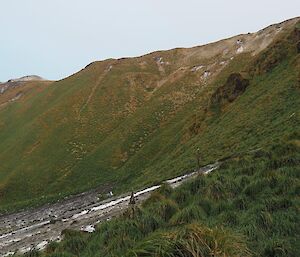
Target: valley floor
(34, 229)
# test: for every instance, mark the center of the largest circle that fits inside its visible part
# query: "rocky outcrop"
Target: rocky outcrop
(234, 86)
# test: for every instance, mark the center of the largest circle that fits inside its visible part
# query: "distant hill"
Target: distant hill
(13, 89)
(17, 82)
(131, 122)
(26, 78)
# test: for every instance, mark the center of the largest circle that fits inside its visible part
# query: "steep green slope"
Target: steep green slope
(132, 122)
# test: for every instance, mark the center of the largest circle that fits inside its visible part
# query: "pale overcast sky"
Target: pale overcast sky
(55, 38)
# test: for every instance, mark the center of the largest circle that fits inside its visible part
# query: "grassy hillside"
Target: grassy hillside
(248, 207)
(129, 123)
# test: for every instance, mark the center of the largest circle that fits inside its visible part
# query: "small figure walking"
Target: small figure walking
(132, 199)
(132, 203)
(198, 157)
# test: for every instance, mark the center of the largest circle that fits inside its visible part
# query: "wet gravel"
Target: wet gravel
(34, 229)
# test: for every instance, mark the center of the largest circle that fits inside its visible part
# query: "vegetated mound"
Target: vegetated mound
(248, 207)
(127, 123)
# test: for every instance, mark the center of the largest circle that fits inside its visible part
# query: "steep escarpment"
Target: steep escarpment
(132, 122)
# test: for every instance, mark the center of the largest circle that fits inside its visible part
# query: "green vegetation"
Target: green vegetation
(129, 123)
(248, 207)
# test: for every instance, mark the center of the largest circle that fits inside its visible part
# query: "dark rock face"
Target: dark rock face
(298, 47)
(233, 87)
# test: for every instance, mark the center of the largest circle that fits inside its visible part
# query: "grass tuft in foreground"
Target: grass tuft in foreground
(248, 207)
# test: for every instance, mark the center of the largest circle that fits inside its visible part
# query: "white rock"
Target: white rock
(240, 50)
(89, 228)
(8, 254)
(206, 74)
(196, 68)
(239, 42)
(41, 245)
(24, 249)
(77, 215)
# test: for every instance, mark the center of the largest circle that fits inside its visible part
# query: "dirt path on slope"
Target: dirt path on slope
(94, 88)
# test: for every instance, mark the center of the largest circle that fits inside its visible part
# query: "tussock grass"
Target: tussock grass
(32, 253)
(206, 204)
(192, 240)
(164, 209)
(188, 214)
(165, 190)
(191, 221)
(182, 196)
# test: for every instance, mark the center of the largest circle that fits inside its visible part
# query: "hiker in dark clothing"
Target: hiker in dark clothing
(198, 157)
(132, 203)
(132, 199)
